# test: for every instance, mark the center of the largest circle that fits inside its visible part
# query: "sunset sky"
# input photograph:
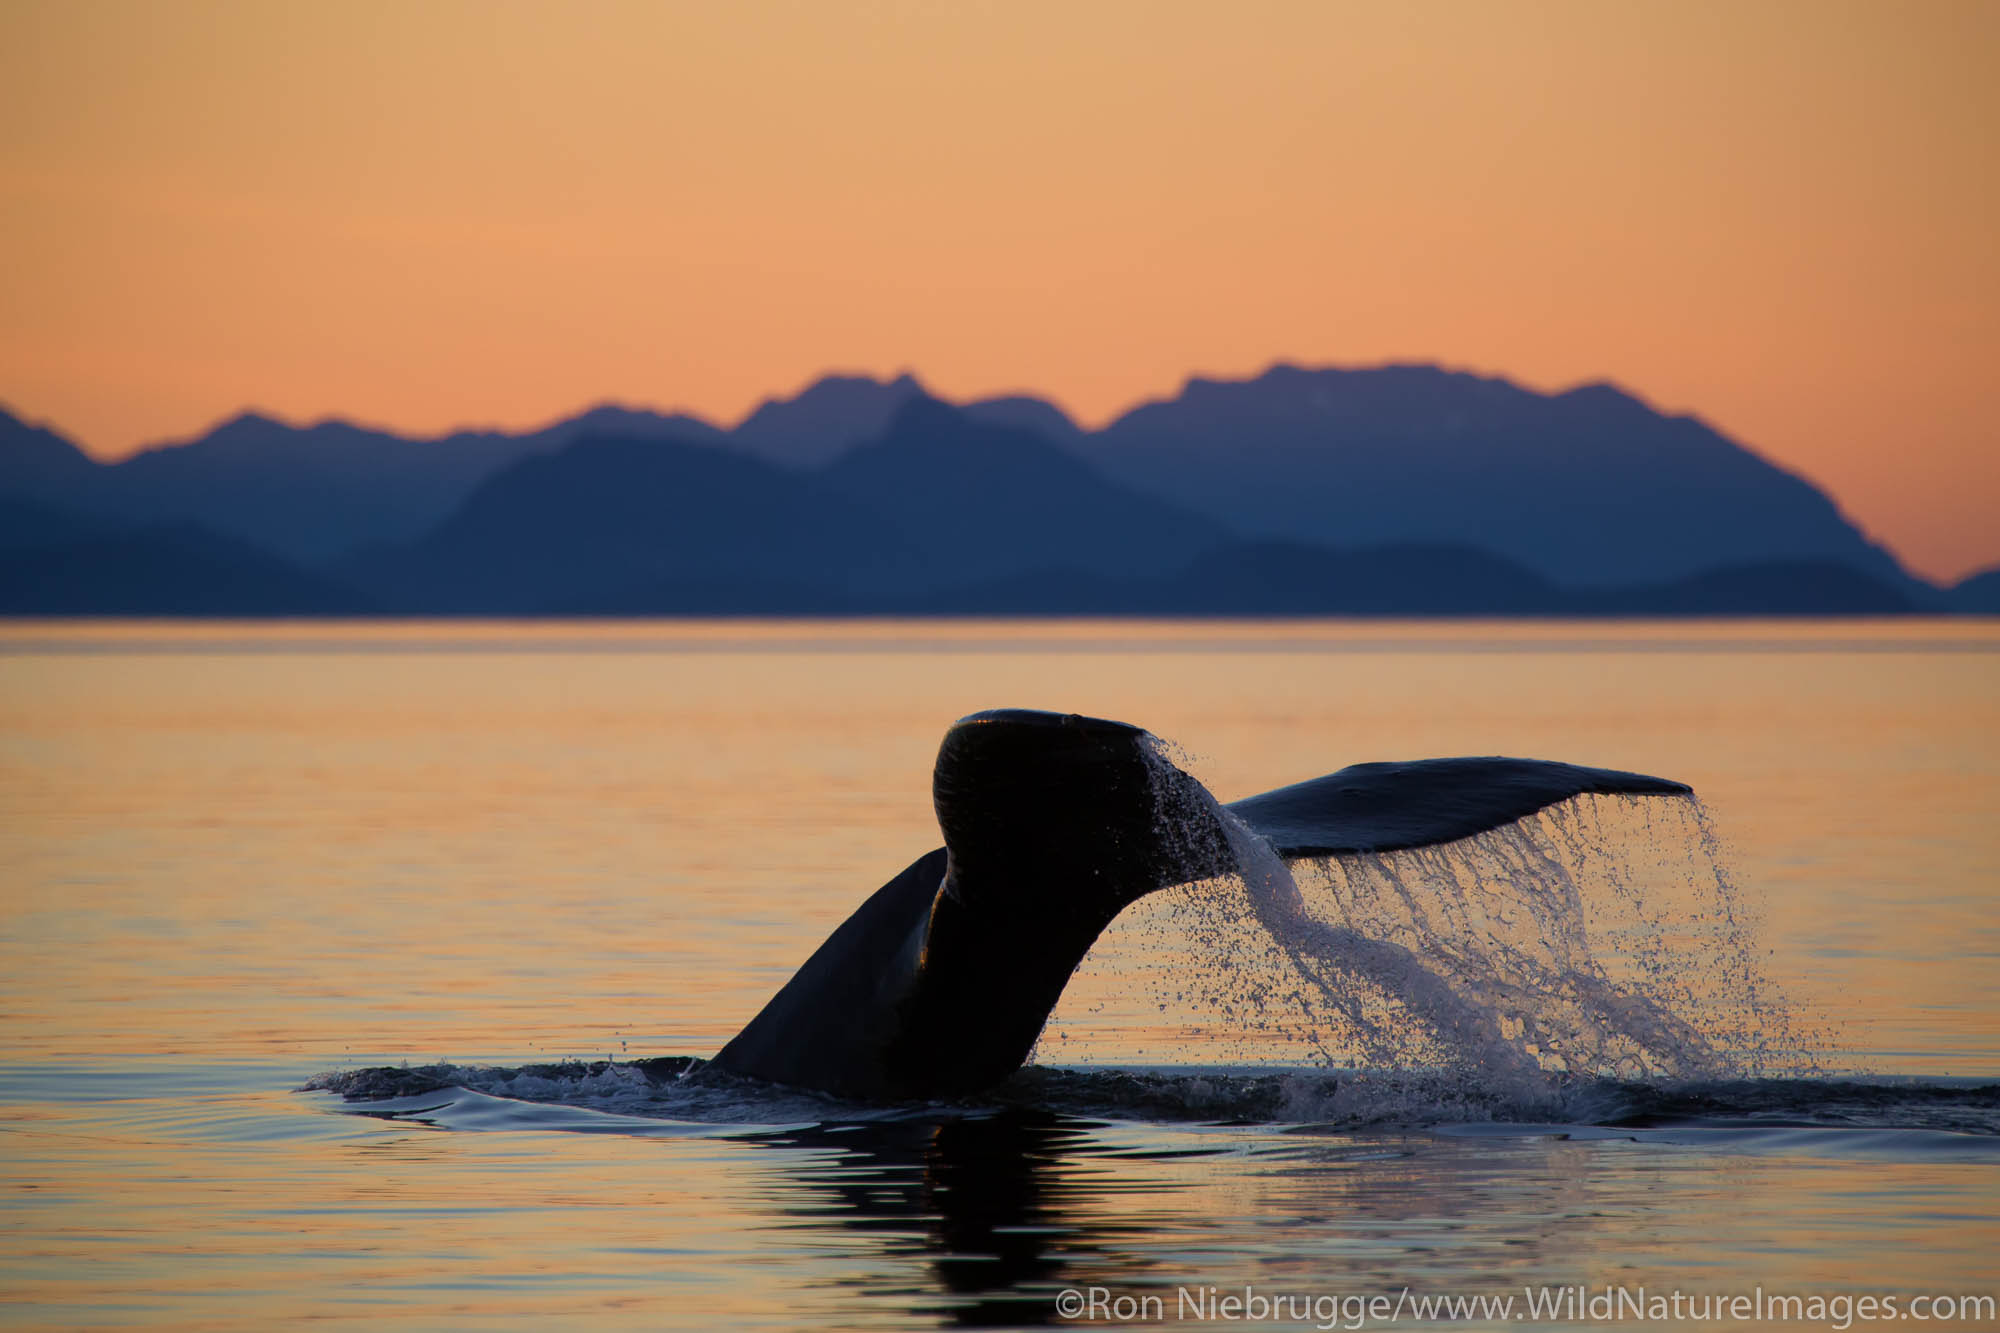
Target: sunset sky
(1780, 217)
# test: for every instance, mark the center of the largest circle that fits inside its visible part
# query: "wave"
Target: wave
(683, 1094)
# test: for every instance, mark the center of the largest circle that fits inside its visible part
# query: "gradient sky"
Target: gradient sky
(1780, 217)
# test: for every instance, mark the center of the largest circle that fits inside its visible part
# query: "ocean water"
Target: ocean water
(352, 972)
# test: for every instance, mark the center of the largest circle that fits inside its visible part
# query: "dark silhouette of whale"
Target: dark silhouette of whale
(1053, 823)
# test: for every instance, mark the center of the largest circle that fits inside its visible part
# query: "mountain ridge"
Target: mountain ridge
(1591, 484)
(1587, 487)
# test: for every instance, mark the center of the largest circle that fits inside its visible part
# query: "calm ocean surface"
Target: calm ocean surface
(236, 858)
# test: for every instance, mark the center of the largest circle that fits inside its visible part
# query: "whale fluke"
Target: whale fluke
(940, 982)
(1423, 802)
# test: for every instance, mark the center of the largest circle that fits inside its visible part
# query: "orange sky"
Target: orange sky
(1778, 216)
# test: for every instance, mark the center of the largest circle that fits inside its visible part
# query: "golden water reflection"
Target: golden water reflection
(233, 856)
(113, 1218)
(511, 841)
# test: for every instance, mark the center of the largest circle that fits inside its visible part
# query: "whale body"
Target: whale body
(1053, 823)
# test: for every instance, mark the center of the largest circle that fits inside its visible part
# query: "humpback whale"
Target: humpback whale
(940, 982)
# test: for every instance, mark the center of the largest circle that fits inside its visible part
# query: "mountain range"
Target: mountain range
(1400, 490)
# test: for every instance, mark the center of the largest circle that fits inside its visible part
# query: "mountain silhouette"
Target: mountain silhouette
(1276, 579)
(1282, 579)
(607, 523)
(57, 564)
(984, 500)
(825, 419)
(1589, 487)
(38, 465)
(309, 493)
(1400, 490)
(613, 525)
(1977, 594)
(24, 524)
(1765, 588)
(1024, 412)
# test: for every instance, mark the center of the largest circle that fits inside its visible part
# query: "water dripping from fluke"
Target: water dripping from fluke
(1512, 964)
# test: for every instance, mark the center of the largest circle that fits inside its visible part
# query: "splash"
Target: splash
(678, 1095)
(1600, 938)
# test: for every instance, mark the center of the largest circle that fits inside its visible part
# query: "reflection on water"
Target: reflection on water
(233, 857)
(992, 1212)
(283, 1207)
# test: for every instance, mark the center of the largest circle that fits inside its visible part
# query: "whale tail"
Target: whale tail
(1053, 824)
(940, 982)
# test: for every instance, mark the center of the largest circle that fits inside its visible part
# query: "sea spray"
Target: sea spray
(1568, 944)
(1683, 929)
